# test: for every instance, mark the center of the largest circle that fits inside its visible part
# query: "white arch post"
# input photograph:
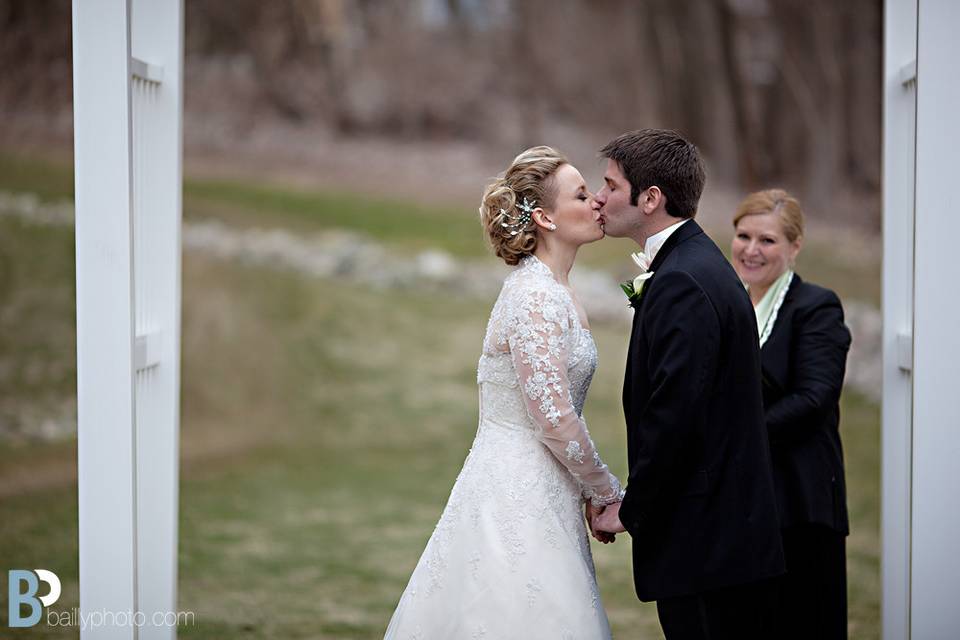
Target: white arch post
(921, 406)
(128, 69)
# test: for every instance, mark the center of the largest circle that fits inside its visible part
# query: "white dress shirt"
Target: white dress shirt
(656, 241)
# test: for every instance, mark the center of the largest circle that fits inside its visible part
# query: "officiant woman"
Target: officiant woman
(803, 349)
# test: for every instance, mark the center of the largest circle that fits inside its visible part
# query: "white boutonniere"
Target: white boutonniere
(634, 288)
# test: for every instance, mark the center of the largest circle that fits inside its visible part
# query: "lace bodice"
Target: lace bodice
(535, 369)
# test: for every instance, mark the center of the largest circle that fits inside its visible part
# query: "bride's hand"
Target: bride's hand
(591, 512)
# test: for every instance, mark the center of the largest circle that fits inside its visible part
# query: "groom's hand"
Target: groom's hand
(608, 521)
(592, 513)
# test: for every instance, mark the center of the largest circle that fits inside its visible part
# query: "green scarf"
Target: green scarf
(769, 305)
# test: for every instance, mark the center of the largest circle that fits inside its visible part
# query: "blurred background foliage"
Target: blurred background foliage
(773, 91)
(326, 408)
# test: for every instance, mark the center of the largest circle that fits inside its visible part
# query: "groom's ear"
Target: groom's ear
(652, 199)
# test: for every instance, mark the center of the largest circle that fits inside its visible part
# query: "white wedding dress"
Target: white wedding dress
(510, 556)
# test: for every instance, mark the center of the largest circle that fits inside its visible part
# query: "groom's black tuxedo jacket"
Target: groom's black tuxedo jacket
(803, 365)
(699, 503)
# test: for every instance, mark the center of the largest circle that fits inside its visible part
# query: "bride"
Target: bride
(510, 556)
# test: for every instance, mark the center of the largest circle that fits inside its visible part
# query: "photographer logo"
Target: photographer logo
(19, 596)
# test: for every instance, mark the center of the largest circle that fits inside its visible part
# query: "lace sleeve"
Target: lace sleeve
(538, 337)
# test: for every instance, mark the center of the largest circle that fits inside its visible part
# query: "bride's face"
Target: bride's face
(578, 222)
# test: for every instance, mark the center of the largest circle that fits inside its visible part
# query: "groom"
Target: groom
(699, 503)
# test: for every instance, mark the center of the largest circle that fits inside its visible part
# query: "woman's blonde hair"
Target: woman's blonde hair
(529, 176)
(778, 202)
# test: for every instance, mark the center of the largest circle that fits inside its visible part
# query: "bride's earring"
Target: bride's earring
(552, 227)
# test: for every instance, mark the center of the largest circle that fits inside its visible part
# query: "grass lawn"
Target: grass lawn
(322, 428)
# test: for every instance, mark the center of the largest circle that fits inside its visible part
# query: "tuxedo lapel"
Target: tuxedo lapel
(774, 353)
(687, 230)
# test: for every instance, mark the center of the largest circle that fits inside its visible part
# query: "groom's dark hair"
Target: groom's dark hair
(662, 158)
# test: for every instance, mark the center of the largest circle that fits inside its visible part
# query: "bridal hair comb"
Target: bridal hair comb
(516, 224)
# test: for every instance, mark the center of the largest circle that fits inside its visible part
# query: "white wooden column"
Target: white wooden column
(935, 612)
(105, 333)
(899, 153)
(157, 97)
(921, 410)
(127, 143)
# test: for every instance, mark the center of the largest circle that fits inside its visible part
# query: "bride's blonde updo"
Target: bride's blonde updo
(529, 176)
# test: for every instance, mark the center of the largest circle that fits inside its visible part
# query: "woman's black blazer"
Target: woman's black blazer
(803, 364)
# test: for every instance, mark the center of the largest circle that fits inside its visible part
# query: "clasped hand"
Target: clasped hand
(604, 522)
